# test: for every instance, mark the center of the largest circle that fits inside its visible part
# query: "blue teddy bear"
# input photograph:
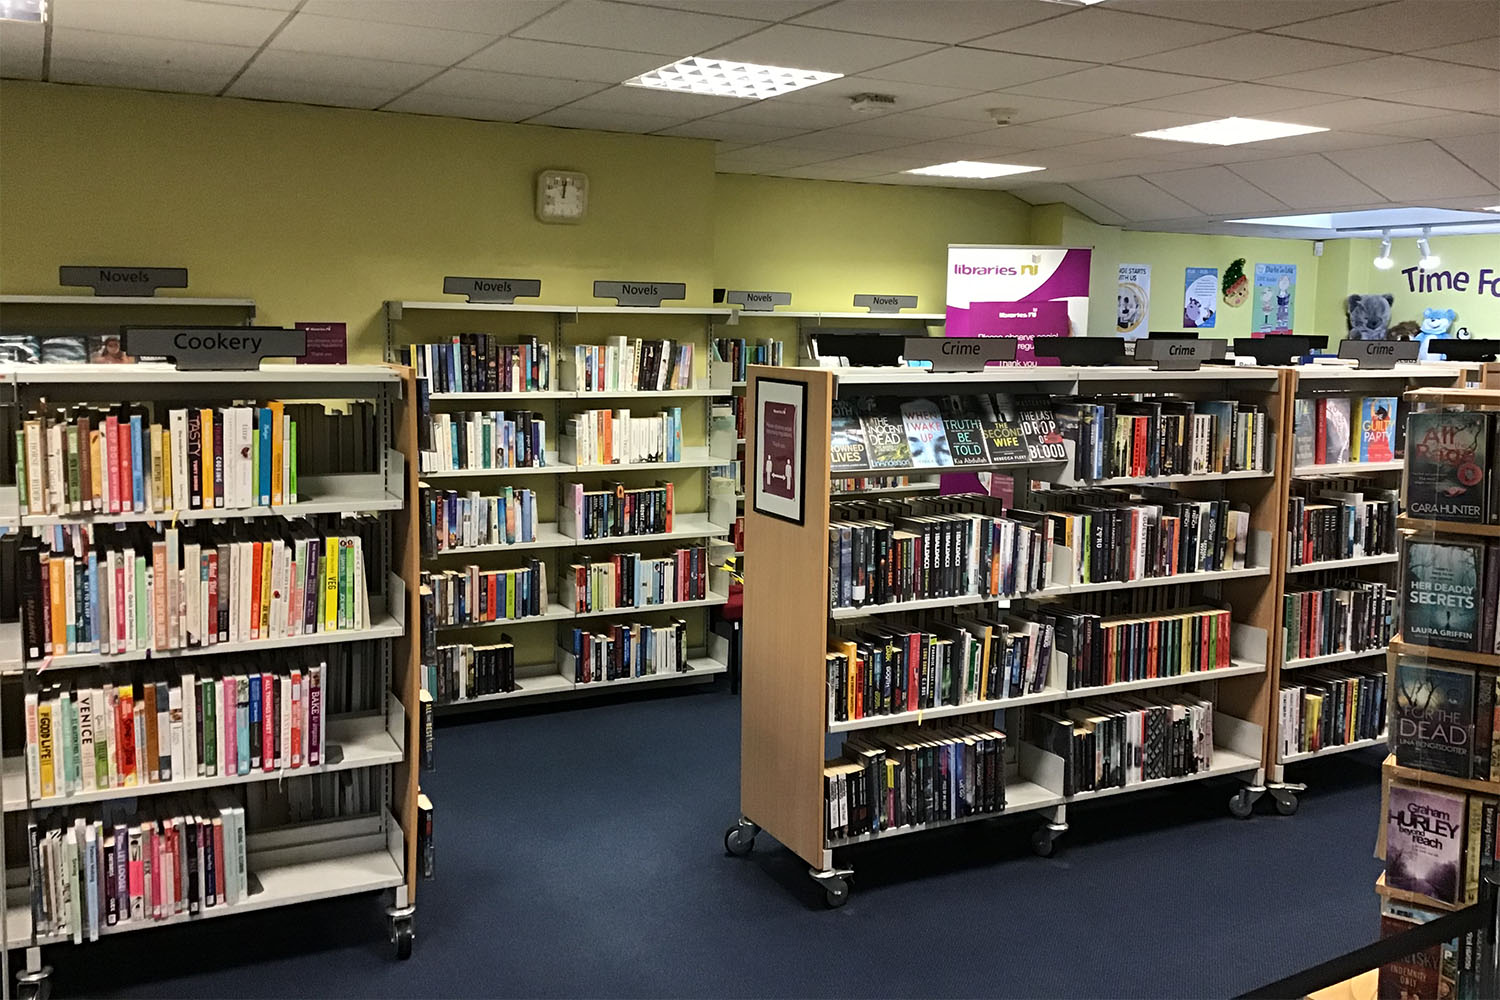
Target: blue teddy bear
(1435, 323)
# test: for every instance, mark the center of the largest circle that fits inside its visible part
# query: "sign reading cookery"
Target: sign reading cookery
(207, 348)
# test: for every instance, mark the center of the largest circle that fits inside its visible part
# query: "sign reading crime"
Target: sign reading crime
(958, 354)
(1179, 355)
(1379, 353)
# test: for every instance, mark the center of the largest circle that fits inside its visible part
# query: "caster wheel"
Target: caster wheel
(836, 892)
(1287, 805)
(1240, 806)
(1043, 844)
(401, 938)
(736, 843)
(33, 991)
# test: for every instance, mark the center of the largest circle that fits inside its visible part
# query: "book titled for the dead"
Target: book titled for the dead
(1447, 459)
(1434, 717)
(1424, 842)
(1442, 594)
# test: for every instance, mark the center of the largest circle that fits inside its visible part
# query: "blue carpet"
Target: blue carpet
(580, 854)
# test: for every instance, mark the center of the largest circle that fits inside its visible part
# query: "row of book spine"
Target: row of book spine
(131, 734)
(1321, 709)
(492, 439)
(474, 596)
(623, 364)
(453, 520)
(461, 671)
(134, 460)
(478, 362)
(615, 510)
(1161, 437)
(112, 591)
(1334, 429)
(615, 437)
(1349, 616)
(742, 352)
(1341, 524)
(625, 650)
(1125, 740)
(631, 580)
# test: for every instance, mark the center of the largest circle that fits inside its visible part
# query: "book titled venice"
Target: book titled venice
(1446, 460)
(1424, 842)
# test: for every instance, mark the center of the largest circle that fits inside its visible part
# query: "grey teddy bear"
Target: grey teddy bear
(1369, 316)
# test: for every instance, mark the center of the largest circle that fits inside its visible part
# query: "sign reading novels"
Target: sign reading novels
(757, 301)
(952, 354)
(885, 303)
(502, 290)
(640, 293)
(143, 281)
(1379, 353)
(780, 477)
(210, 348)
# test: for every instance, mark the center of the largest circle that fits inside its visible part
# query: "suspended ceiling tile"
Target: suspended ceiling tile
(1252, 57)
(819, 49)
(832, 143)
(1404, 25)
(948, 21)
(1411, 171)
(760, 10)
(911, 125)
(746, 133)
(1103, 36)
(1476, 95)
(828, 172)
(1387, 75)
(1134, 198)
(340, 36)
(283, 5)
(976, 69)
(21, 45)
(1031, 136)
(311, 92)
(1026, 108)
(1065, 171)
(574, 116)
(1250, 14)
(480, 17)
(81, 45)
(1481, 153)
(676, 33)
(1359, 113)
(140, 76)
(181, 20)
(565, 62)
(658, 103)
(427, 102)
(1112, 85)
(1121, 146)
(803, 117)
(337, 71)
(1242, 99)
(887, 161)
(1480, 52)
(1308, 182)
(509, 87)
(771, 155)
(908, 96)
(736, 167)
(1439, 126)
(1215, 191)
(1047, 194)
(1123, 121)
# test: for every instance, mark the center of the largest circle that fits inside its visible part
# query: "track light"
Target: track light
(1384, 262)
(1429, 261)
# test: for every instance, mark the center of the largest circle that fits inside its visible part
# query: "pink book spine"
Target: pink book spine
(211, 627)
(268, 715)
(121, 639)
(156, 879)
(112, 435)
(296, 734)
(127, 479)
(231, 763)
(314, 716)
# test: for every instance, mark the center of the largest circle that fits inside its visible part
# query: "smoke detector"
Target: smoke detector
(866, 103)
(1003, 116)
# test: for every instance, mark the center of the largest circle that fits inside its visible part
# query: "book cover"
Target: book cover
(1429, 972)
(885, 436)
(1304, 433)
(1434, 717)
(925, 434)
(847, 438)
(1002, 430)
(1044, 443)
(965, 432)
(1424, 842)
(1442, 593)
(1377, 429)
(1446, 462)
(1335, 429)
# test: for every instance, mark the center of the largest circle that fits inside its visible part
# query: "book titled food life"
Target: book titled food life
(1447, 457)
(1377, 429)
(846, 448)
(1434, 717)
(1424, 842)
(925, 434)
(1442, 594)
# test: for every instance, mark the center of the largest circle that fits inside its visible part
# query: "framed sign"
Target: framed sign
(780, 476)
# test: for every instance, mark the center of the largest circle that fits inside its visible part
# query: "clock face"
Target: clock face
(561, 196)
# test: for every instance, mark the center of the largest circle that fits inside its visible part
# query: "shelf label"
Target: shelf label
(210, 348)
(143, 281)
(885, 303)
(1379, 353)
(758, 301)
(1179, 355)
(502, 290)
(958, 354)
(640, 293)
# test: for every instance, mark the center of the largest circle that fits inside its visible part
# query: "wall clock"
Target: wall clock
(562, 196)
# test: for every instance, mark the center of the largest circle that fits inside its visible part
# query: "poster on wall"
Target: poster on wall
(1133, 301)
(1201, 292)
(780, 449)
(1018, 291)
(1275, 289)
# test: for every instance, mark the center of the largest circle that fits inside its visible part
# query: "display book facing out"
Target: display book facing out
(1441, 784)
(978, 657)
(223, 778)
(568, 527)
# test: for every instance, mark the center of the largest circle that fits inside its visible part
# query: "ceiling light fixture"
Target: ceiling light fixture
(972, 168)
(1384, 262)
(23, 10)
(1429, 261)
(1230, 131)
(1490, 208)
(722, 78)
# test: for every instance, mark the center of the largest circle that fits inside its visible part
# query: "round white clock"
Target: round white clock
(562, 196)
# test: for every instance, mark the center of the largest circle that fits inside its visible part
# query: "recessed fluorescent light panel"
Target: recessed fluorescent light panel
(1230, 131)
(23, 10)
(972, 168)
(1490, 208)
(722, 78)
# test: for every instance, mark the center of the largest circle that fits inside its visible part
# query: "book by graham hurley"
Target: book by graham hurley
(1446, 461)
(847, 444)
(1424, 842)
(1442, 594)
(1434, 717)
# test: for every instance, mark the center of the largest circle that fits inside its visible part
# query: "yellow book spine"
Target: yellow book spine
(276, 446)
(206, 422)
(169, 502)
(158, 500)
(96, 469)
(58, 588)
(331, 585)
(267, 558)
(44, 747)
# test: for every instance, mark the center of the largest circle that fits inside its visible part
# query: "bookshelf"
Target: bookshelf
(704, 511)
(1309, 383)
(371, 735)
(787, 730)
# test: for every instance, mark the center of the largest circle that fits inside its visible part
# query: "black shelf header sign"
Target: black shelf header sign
(1179, 355)
(1379, 353)
(648, 294)
(757, 301)
(959, 354)
(498, 290)
(885, 303)
(215, 348)
(141, 281)
(1455, 349)
(1278, 348)
(1081, 350)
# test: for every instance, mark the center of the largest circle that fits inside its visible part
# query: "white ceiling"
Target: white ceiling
(1409, 88)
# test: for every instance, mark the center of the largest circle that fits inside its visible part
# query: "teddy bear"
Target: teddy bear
(1369, 316)
(1435, 323)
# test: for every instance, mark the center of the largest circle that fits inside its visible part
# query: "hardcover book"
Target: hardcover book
(1424, 842)
(1434, 717)
(1442, 594)
(1377, 429)
(847, 444)
(885, 436)
(1446, 462)
(1333, 420)
(966, 433)
(925, 434)
(1304, 432)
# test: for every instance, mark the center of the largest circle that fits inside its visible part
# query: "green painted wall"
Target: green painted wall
(1478, 309)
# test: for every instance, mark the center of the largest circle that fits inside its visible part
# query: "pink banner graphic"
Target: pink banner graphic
(1021, 292)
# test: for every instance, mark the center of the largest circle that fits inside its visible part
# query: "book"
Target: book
(1376, 435)
(1434, 717)
(1424, 842)
(925, 434)
(1004, 438)
(847, 441)
(1442, 595)
(1447, 461)
(1304, 432)
(1333, 431)
(885, 436)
